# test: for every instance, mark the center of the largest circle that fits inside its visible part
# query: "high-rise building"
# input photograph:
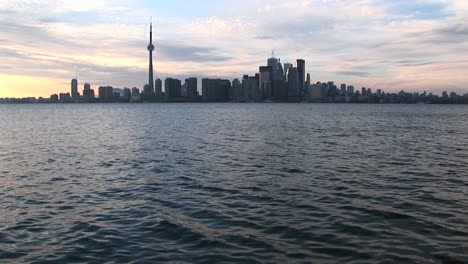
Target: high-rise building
(150, 89)
(172, 88)
(65, 98)
(106, 94)
(287, 66)
(265, 82)
(251, 91)
(88, 94)
(126, 95)
(343, 88)
(293, 83)
(135, 91)
(158, 88)
(74, 90)
(235, 93)
(301, 74)
(54, 98)
(215, 90)
(191, 87)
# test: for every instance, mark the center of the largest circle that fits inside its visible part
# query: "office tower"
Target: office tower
(307, 84)
(106, 94)
(235, 93)
(54, 98)
(265, 82)
(65, 98)
(192, 87)
(126, 95)
(135, 91)
(343, 88)
(287, 66)
(301, 74)
(74, 90)
(215, 90)
(293, 82)
(183, 90)
(251, 91)
(150, 89)
(332, 90)
(172, 88)
(88, 94)
(277, 74)
(158, 88)
(350, 89)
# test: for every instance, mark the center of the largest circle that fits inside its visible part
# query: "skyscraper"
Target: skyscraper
(74, 90)
(265, 82)
(301, 74)
(158, 87)
(88, 94)
(151, 49)
(293, 84)
(287, 66)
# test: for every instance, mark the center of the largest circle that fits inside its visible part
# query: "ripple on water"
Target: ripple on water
(230, 183)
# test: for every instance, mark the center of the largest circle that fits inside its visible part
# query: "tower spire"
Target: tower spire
(151, 49)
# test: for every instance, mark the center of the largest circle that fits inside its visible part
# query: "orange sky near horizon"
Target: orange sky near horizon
(20, 86)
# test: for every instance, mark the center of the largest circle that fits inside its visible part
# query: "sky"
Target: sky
(392, 45)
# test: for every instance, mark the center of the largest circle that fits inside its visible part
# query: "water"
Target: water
(245, 183)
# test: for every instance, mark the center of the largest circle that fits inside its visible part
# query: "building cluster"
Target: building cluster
(271, 84)
(274, 82)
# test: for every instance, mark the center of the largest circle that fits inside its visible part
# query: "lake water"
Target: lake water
(243, 183)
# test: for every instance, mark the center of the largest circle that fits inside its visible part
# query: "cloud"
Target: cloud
(354, 73)
(264, 37)
(179, 52)
(362, 42)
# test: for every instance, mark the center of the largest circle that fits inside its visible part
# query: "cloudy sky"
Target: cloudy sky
(412, 45)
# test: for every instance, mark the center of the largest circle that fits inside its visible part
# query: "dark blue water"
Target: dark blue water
(242, 183)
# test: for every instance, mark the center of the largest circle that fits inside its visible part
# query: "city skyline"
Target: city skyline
(43, 45)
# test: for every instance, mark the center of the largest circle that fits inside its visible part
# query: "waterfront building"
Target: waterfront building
(265, 82)
(126, 95)
(315, 93)
(235, 93)
(191, 87)
(172, 88)
(287, 66)
(75, 95)
(277, 73)
(65, 98)
(343, 88)
(88, 94)
(215, 90)
(54, 98)
(251, 90)
(294, 92)
(301, 75)
(308, 84)
(158, 88)
(106, 94)
(135, 95)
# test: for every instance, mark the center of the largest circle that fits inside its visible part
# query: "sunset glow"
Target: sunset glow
(392, 45)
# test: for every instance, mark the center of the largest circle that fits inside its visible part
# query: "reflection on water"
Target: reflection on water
(233, 183)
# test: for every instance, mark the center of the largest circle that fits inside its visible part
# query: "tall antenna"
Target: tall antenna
(273, 53)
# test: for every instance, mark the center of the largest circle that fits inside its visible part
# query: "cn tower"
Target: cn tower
(151, 49)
